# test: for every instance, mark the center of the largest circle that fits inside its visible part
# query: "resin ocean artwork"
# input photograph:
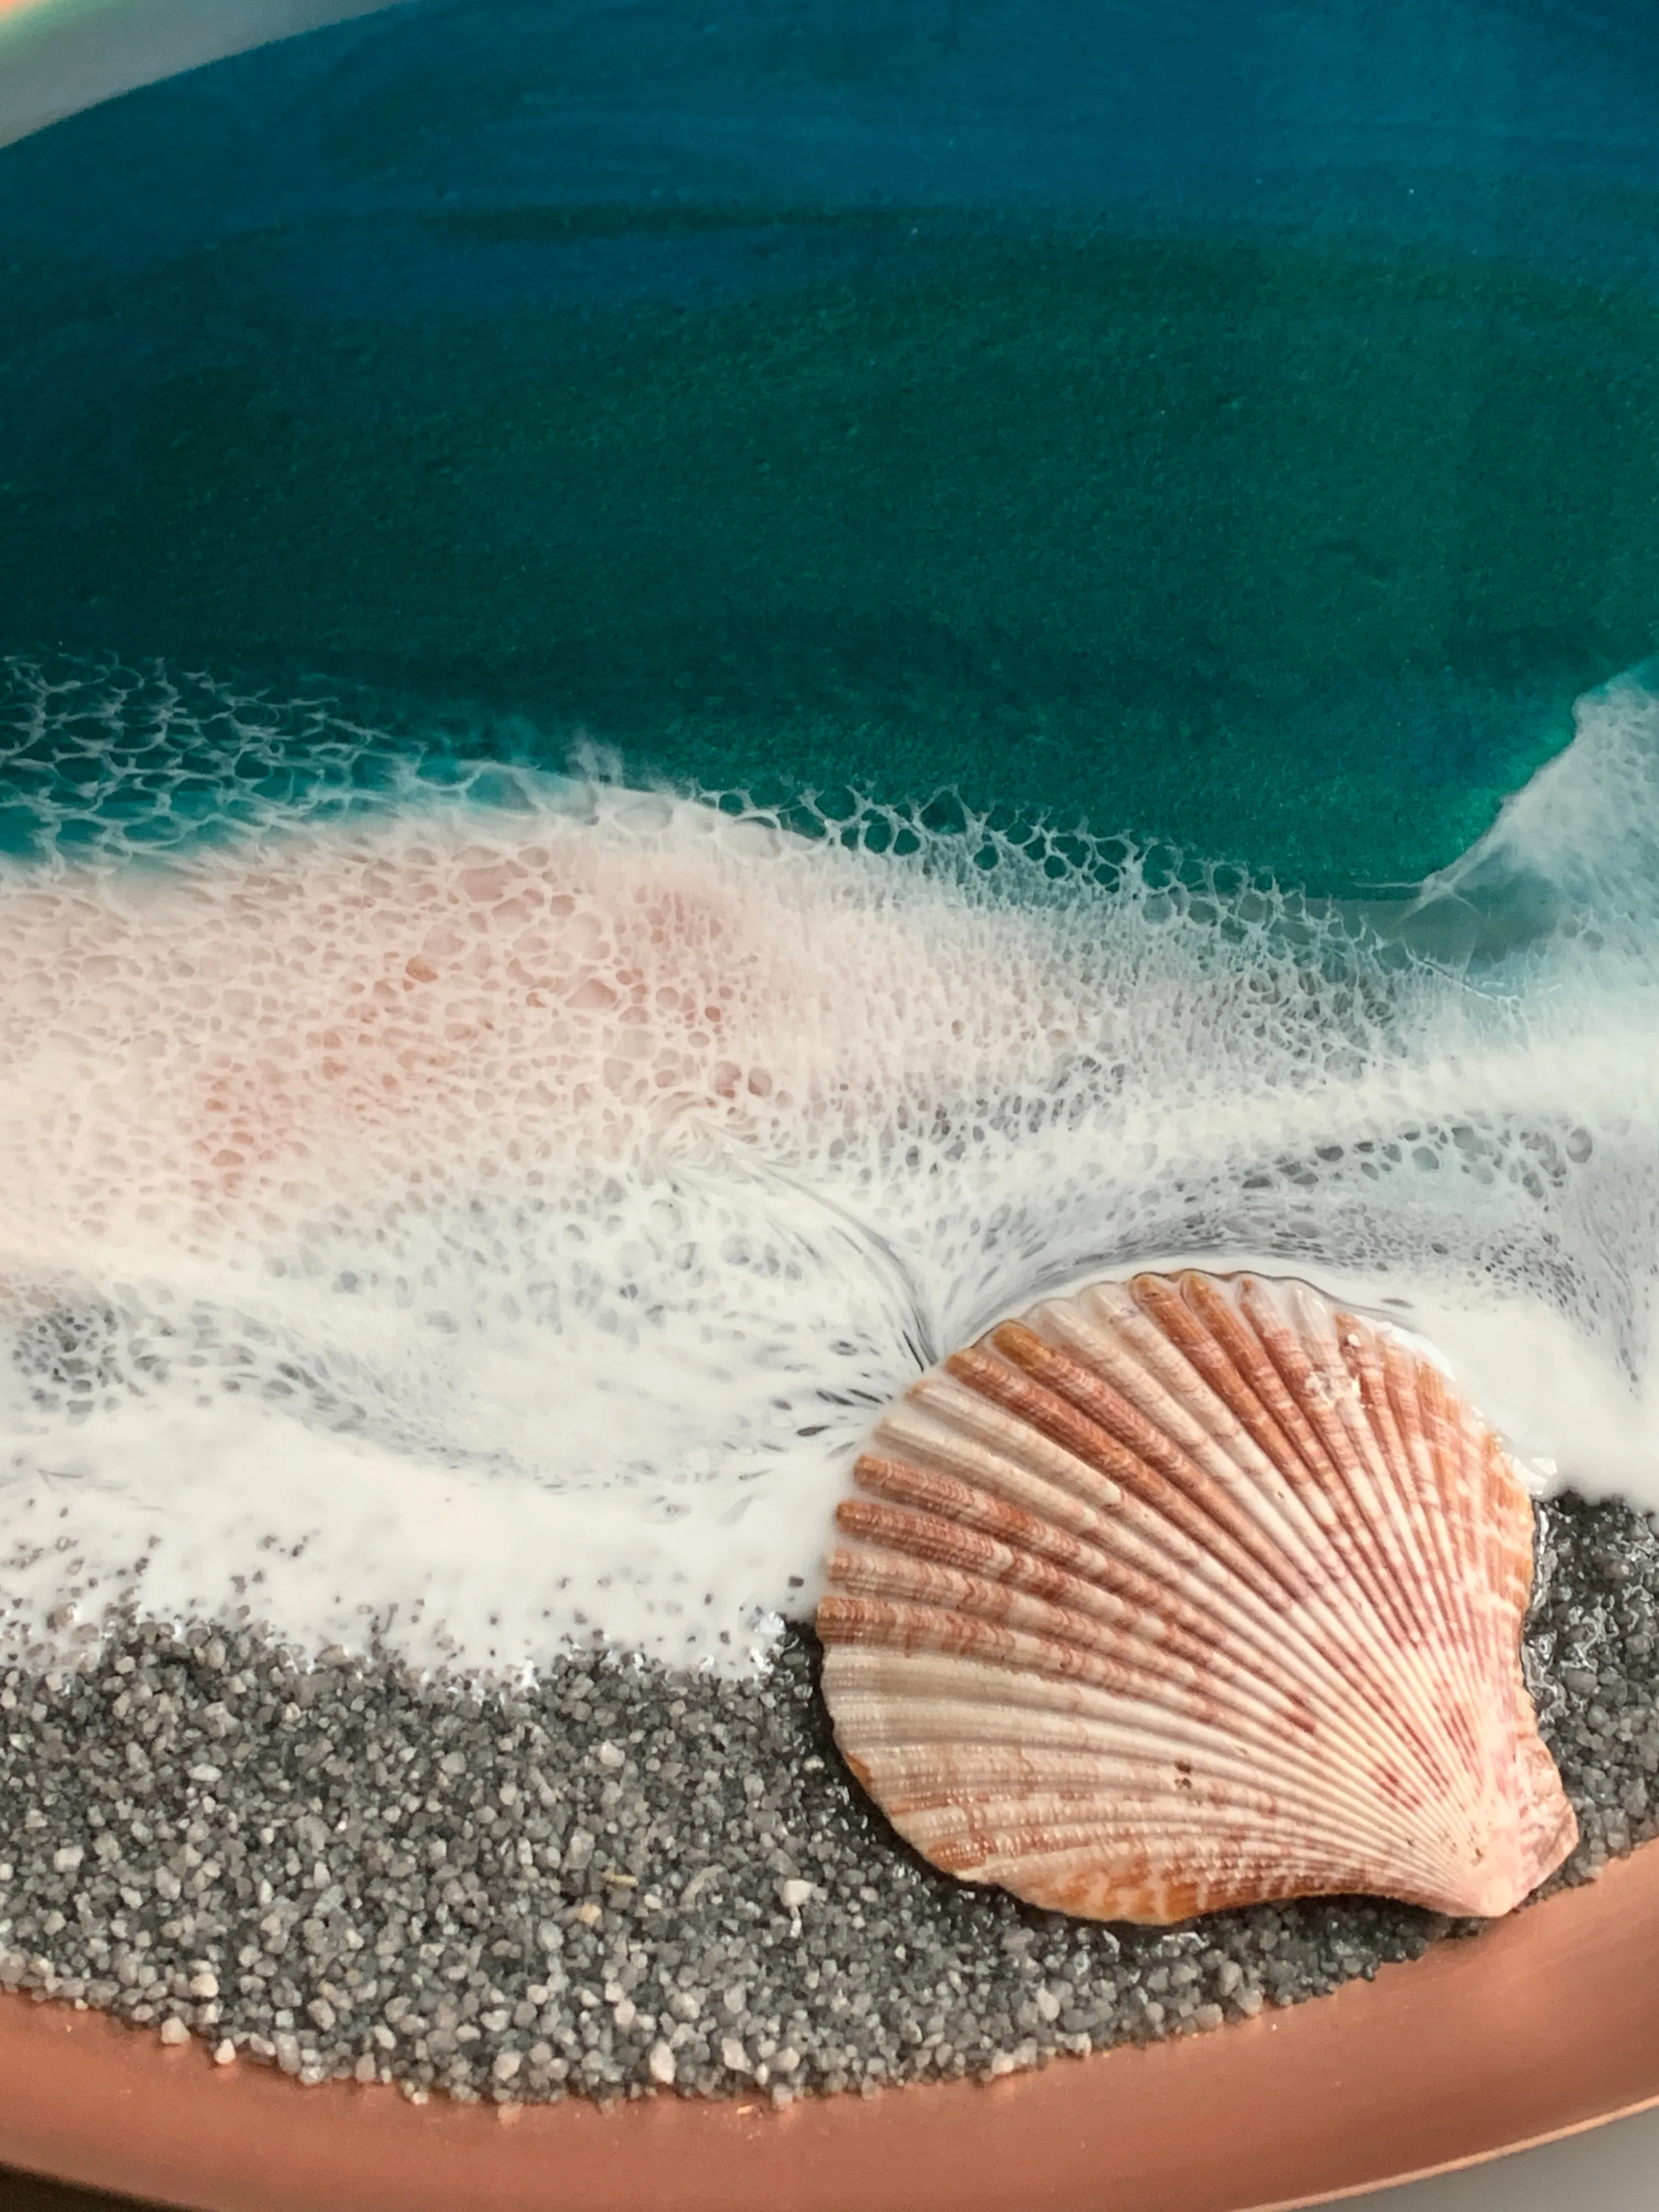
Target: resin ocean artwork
(701, 719)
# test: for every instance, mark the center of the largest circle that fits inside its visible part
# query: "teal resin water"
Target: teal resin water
(1238, 427)
(685, 707)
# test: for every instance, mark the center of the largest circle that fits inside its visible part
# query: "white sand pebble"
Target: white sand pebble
(661, 2063)
(792, 1895)
(174, 2031)
(224, 2054)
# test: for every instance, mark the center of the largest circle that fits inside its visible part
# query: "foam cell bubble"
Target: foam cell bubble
(485, 1209)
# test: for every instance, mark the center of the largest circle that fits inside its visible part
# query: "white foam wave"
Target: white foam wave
(496, 1218)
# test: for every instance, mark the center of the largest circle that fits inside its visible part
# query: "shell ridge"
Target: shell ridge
(1279, 1638)
(1311, 1773)
(1508, 1520)
(1158, 1553)
(1282, 1860)
(1409, 1380)
(1461, 1490)
(1207, 1426)
(1124, 1611)
(1433, 1494)
(967, 1412)
(1366, 1352)
(1239, 1371)
(1190, 1592)
(931, 1538)
(958, 1736)
(1549, 1826)
(941, 1834)
(1382, 1495)
(1419, 1614)
(1153, 1389)
(1417, 1823)
(942, 1610)
(918, 1782)
(1360, 1524)
(1141, 1594)
(1135, 1895)
(1185, 1323)
(1214, 1336)
(1253, 1324)
(926, 1807)
(1131, 1350)
(1118, 1794)
(1488, 1509)
(1177, 1475)
(1050, 1819)
(1056, 1417)
(1333, 1563)
(1143, 1672)
(1350, 1448)
(963, 1688)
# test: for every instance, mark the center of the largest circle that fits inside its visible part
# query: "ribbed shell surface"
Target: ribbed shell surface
(1188, 1592)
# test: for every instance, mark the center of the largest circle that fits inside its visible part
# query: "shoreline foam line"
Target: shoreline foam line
(491, 1223)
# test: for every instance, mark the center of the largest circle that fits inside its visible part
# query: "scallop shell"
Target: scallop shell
(1190, 1592)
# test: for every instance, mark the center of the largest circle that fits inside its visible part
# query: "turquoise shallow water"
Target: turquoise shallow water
(1236, 427)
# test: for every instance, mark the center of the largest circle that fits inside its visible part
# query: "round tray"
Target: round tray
(1546, 2025)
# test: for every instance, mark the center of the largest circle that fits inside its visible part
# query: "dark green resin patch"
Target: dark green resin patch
(1289, 555)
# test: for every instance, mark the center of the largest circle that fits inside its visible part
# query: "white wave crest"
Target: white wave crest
(490, 1212)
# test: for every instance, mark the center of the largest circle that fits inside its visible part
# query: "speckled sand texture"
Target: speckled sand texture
(625, 1879)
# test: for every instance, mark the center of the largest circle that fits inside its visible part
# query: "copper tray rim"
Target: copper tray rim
(1539, 2029)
